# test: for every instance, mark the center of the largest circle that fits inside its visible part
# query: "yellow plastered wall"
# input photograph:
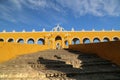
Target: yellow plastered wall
(11, 50)
(49, 37)
(107, 50)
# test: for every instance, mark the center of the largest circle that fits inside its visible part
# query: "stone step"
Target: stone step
(51, 66)
(93, 60)
(86, 71)
(86, 64)
(47, 61)
(87, 57)
(104, 76)
(51, 62)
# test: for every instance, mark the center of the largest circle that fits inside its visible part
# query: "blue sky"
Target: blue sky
(80, 14)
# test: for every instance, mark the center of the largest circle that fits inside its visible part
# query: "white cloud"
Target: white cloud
(79, 7)
(76, 7)
(93, 7)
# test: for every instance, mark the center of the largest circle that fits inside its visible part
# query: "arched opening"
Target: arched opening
(75, 41)
(106, 39)
(66, 43)
(10, 40)
(86, 40)
(96, 40)
(58, 38)
(1, 40)
(58, 42)
(20, 41)
(30, 41)
(116, 39)
(41, 41)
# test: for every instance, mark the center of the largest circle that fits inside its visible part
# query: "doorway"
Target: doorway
(58, 42)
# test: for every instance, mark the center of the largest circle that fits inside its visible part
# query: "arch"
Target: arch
(106, 39)
(1, 40)
(41, 41)
(86, 40)
(20, 40)
(58, 38)
(116, 39)
(10, 40)
(66, 43)
(58, 42)
(75, 41)
(96, 40)
(30, 41)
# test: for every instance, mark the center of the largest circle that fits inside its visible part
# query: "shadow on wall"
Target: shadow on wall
(108, 50)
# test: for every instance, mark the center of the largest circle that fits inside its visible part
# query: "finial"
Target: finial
(43, 30)
(4, 30)
(93, 29)
(113, 30)
(33, 30)
(13, 31)
(83, 30)
(103, 30)
(23, 30)
(72, 29)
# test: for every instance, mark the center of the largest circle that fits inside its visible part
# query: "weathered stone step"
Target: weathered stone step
(28, 78)
(95, 63)
(104, 76)
(86, 71)
(51, 62)
(59, 66)
(51, 66)
(87, 57)
(46, 61)
(55, 75)
(93, 60)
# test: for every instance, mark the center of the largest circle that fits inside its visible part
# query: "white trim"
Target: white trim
(64, 31)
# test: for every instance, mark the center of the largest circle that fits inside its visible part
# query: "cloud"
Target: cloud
(93, 7)
(12, 8)
(78, 7)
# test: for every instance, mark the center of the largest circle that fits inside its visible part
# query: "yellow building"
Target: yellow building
(58, 37)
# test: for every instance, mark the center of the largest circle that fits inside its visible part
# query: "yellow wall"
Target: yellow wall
(11, 50)
(107, 50)
(49, 37)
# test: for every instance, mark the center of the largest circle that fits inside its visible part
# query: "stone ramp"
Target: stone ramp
(59, 65)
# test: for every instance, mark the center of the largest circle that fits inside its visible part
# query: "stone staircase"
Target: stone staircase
(59, 65)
